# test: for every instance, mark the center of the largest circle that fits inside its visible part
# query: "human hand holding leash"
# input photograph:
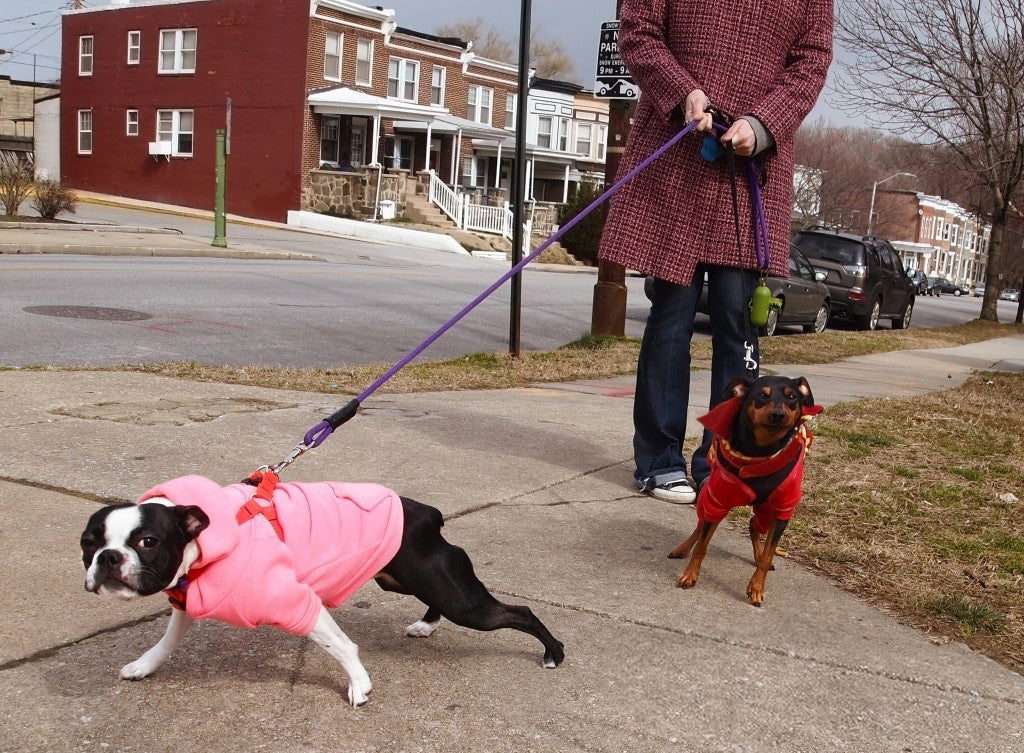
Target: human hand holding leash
(696, 109)
(742, 137)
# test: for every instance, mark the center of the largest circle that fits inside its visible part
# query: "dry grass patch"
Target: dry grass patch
(918, 504)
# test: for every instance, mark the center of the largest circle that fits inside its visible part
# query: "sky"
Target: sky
(39, 33)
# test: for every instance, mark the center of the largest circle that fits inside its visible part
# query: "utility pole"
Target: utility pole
(608, 315)
(519, 180)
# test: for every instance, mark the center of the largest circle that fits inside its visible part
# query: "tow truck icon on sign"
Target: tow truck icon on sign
(617, 88)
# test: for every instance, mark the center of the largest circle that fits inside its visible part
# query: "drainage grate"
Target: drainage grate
(89, 312)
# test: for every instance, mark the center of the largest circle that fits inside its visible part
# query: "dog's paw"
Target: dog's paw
(137, 670)
(358, 689)
(755, 593)
(687, 580)
(554, 656)
(420, 629)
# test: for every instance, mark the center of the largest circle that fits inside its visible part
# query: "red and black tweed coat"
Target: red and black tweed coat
(766, 58)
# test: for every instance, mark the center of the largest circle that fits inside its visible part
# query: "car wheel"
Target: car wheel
(903, 321)
(820, 321)
(957, 293)
(771, 325)
(870, 321)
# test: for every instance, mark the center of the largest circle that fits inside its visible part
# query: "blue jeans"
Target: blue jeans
(663, 369)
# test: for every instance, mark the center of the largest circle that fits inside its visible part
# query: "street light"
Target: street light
(875, 185)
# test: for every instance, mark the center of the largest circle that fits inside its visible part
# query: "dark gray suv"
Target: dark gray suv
(864, 274)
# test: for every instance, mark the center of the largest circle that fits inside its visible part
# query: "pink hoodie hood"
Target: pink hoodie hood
(336, 537)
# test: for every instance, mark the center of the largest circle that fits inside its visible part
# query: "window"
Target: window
(510, 110)
(480, 98)
(332, 56)
(85, 131)
(364, 61)
(403, 79)
(177, 51)
(602, 142)
(85, 56)
(329, 130)
(176, 126)
(131, 127)
(584, 136)
(563, 135)
(437, 82)
(134, 47)
(544, 125)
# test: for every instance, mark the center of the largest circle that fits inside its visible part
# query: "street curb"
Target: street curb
(87, 226)
(154, 251)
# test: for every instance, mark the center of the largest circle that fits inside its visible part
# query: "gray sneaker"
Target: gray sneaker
(679, 492)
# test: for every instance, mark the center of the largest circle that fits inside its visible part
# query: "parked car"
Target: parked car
(920, 280)
(1009, 295)
(864, 275)
(979, 290)
(805, 298)
(934, 287)
(944, 285)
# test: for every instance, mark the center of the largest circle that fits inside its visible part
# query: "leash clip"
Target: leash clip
(294, 455)
(748, 356)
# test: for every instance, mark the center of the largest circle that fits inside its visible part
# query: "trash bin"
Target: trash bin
(387, 209)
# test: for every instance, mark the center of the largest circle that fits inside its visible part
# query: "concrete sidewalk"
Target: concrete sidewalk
(535, 484)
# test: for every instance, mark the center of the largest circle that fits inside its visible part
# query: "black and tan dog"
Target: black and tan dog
(757, 459)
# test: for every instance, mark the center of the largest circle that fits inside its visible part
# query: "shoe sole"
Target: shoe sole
(674, 498)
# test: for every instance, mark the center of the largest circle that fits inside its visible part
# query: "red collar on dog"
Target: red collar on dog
(720, 419)
(176, 594)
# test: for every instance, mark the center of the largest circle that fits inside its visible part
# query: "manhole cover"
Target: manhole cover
(89, 312)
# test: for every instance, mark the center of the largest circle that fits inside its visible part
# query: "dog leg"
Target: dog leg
(704, 533)
(755, 589)
(424, 626)
(148, 663)
(328, 636)
(683, 549)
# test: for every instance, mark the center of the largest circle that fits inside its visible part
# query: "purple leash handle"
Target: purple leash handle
(315, 436)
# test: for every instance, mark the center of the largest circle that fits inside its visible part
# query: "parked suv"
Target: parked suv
(920, 281)
(864, 274)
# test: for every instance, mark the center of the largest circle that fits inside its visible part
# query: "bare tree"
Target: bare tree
(949, 73)
(547, 56)
(15, 183)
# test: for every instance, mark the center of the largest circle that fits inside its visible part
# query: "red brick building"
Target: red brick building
(323, 96)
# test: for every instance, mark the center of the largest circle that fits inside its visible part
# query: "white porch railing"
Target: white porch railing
(488, 219)
(447, 200)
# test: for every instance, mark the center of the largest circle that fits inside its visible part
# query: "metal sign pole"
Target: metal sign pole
(519, 186)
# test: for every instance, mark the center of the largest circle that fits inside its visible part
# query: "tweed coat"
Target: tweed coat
(766, 58)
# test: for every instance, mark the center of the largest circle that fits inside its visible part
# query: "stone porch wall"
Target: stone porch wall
(352, 194)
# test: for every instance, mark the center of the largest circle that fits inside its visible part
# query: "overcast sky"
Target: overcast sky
(576, 23)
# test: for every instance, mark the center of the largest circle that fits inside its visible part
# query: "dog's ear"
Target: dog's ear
(192, 519)
(804, 389)
(738, 387)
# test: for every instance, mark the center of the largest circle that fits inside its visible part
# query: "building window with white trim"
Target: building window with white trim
(85, 47)
(85, 131)
(563, 135)
(403, 79)
(131, 127)
(438, 78)
(177, 127)
(178, 51)
(134, 47)
(330, 129)
(332, 56)
(544, 126)
(602, 142)
(510, 110)
(364, 62)
(584, 139)
(480, 99)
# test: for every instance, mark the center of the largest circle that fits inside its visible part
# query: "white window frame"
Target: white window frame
(437, 85)
(339, 39)
(131, 122)
(176, 131)
(582, 128)
(401, 80)
(330, 124)
(511, 99)
(85, 127)
(134, 47)
(475, 107)
(367, 60)
(179, 50)
(85, 59)
(546, 134)
(563, 135)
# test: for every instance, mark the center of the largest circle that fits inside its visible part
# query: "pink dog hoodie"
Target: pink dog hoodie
(336, 537)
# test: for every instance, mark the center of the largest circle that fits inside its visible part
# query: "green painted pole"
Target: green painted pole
(219, 225)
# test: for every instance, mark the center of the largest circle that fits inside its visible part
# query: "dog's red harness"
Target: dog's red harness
(727, 487)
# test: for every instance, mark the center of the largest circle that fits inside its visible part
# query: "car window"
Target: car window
(887, 258)
(794, 269)
(830, 248)
(897, 263)
(804, 268)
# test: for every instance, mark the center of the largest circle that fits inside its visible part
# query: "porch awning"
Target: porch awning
(533, 151)
(342, 100)
(444, 122)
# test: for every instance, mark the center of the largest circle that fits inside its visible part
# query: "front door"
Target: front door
(358, 143)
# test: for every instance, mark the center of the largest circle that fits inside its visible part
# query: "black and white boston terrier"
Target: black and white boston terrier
(164, 544)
